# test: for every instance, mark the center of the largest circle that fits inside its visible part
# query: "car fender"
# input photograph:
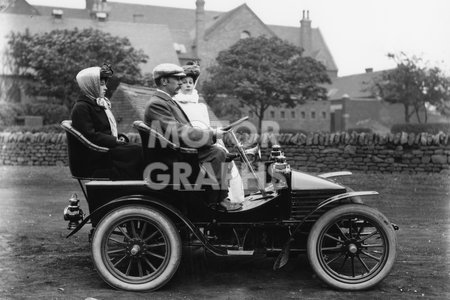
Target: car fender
(334, 174)
(335, 198)
(158, 204)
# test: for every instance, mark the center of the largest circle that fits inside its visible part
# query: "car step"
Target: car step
(240, 252)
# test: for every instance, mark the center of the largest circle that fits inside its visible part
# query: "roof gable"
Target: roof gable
(18, 7)
(156, 42)
(231, 15)
(352, 86)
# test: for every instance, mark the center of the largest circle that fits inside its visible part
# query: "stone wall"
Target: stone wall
(316, 152)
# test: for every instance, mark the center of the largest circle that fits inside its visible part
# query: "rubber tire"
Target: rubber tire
(162, 222)
(351, 209)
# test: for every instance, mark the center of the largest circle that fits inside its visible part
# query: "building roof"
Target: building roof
(228, 16)
(292, 35)
(154, 43)
(354, 87)
(176, 27)
(17, 7)
(181, 22)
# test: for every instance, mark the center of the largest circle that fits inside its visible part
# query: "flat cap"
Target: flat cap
(165, 70)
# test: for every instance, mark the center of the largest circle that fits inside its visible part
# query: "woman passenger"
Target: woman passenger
(92, 117)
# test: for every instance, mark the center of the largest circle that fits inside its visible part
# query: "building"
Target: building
(178, 35)
(354, 106)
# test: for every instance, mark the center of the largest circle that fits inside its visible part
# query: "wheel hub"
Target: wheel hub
(135, 250)
(135, 247)
(352, 248)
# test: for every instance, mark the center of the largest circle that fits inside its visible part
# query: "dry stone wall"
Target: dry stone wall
(318, 152)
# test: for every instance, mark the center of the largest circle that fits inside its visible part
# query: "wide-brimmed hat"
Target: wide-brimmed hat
(192, 69)
(167, 70)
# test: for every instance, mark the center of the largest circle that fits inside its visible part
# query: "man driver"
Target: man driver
(163, 111)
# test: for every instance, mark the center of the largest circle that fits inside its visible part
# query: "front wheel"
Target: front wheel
(352, 247)
(136, 248)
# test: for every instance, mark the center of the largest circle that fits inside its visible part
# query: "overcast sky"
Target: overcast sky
(359, 33)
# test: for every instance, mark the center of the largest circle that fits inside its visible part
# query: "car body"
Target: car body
(140, 228)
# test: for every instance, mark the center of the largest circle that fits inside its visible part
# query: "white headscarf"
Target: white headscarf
(89, 82)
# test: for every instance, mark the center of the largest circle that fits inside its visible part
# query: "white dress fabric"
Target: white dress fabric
(197, 113)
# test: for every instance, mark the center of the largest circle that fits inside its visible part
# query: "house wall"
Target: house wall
(228, 34)
(310, 116)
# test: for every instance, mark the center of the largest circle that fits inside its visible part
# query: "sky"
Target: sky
(359, 33)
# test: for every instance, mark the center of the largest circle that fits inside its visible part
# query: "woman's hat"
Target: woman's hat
(106, 71)
(192, 69)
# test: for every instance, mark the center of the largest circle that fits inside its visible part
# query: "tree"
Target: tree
(54, 58)
(413, 85)
(261, 72)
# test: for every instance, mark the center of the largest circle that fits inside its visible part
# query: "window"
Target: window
(324, 115)
(245, 34)
(293, 114)
(303, 115)
(272, 114)
(283, 115)
(313, 115)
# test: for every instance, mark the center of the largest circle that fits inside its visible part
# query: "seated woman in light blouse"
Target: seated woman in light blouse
(197, 112)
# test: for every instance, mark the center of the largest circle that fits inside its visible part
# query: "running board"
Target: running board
(240, 252)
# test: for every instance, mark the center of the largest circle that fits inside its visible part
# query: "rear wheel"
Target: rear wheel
(136, 248)
(352, 247)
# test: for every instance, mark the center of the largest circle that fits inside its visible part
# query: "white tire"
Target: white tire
(136, 248)
(352, 247)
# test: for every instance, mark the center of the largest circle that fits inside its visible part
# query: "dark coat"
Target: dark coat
(163, 113)
(122, 161)
(169, 116)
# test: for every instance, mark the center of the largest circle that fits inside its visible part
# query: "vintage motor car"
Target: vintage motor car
(139, 228)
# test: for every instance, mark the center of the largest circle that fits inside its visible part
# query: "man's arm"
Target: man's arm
(159, 116)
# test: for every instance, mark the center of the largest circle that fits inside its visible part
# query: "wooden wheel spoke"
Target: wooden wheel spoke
(368, 236)
(133, 228)
(155, 245)
(371, 256)
(343, 263)
(124, 233)
(127, 272)
(359, 231)
(144, 228)
(372, 245)
(335, 258)
(353, 266)
(333, 249)
(363, 263)
(341, 233)
(116, 251)
(333, 238)
(155, 254)
(150, 264)
(150, 236)
(116, 241)
(120, 260)
(141, 273)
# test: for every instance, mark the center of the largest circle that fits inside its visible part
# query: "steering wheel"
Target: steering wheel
(235, 123)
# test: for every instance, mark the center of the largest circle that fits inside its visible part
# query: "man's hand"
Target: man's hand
(121, 141)
(219, 133)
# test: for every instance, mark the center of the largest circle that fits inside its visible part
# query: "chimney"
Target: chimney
(199, 26)
(89, 4)
(306, 33)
